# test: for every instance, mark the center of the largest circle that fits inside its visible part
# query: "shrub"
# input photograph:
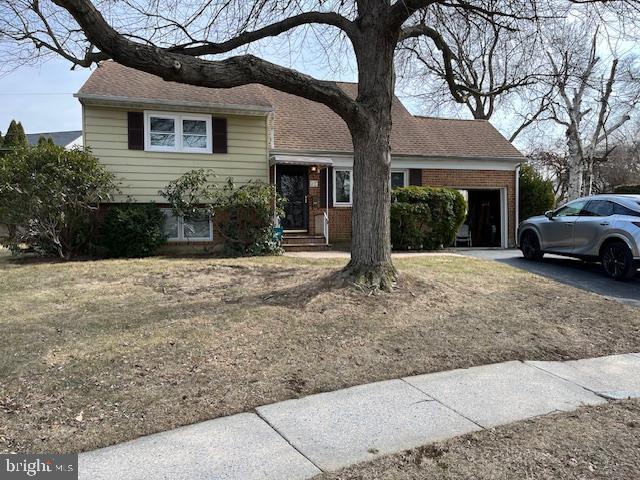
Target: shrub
(243, 215)
(48, 198)
(133, 230)
(536, 193)
(627, 189)
(425, 218)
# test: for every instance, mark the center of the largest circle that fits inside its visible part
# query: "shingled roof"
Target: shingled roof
(305, 126)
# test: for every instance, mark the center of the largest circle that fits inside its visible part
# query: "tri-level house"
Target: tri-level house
(149, 132)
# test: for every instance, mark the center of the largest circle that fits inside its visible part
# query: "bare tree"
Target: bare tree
(491, 62)
(190, 42)
(621, 168)
(585, 104)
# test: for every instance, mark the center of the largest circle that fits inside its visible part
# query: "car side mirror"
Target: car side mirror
(549, 214)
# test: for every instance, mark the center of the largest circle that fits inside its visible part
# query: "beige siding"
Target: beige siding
(142, 174)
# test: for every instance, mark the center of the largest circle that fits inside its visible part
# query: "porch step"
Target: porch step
(301, 242)
(299, 238)
(306, 247)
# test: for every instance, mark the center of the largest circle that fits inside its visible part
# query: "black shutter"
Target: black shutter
(135, 128)
(323, 187)
(415, 177)
(219, 135)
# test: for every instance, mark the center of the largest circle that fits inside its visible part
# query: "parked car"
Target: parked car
(603, 228)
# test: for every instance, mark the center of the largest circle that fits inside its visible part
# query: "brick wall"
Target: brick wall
(340, 217)
(470, 179)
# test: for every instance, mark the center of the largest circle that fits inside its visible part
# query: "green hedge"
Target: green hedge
(627, 189)
(133, 230)
(425, 218)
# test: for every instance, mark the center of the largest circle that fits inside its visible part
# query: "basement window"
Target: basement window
(187, 229)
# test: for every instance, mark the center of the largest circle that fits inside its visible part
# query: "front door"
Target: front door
(292, 183)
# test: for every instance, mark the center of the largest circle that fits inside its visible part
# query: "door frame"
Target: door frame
(303, 170)
(504, 212)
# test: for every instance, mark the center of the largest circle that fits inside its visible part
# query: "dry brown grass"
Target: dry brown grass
(592, 443)
(94, 353)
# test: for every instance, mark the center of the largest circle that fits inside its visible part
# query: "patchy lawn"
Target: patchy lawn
(592, 443)
(94, 353)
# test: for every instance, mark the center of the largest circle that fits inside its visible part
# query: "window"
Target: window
(398, 179)
(169, 132)
(178, 229)
(572, 209)
(622, 210)
(597, 208)
(342, 187)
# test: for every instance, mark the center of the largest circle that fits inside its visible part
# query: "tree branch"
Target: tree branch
(177, 67)
(275, 29)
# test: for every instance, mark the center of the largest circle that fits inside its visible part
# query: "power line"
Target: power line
(22, 94)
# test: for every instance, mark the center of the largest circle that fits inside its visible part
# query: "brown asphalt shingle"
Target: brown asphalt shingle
(305, 126)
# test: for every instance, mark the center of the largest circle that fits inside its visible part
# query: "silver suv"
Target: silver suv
(603, 228)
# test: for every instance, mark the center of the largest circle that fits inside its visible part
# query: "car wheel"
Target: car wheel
(617, 261)
(530, 246)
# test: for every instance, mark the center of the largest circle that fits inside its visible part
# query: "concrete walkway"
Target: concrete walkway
(298, 439)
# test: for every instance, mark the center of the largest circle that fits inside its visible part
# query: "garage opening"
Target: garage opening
(483, 225)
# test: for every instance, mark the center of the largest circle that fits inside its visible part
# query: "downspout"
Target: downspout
(326, 203)
(517, 225)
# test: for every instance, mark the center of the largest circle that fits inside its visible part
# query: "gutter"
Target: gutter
(319, 153)
(109, 100)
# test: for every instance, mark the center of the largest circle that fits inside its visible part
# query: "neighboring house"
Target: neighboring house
(149, 132)
(66, 139)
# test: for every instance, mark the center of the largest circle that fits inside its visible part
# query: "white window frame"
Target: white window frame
(177, 118)
(350, 202)
(181, 237)
(405, 174)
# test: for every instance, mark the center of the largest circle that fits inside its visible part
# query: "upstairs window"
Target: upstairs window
(171, 132)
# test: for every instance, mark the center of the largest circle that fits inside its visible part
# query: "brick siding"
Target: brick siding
(470, 179)
(340, 217)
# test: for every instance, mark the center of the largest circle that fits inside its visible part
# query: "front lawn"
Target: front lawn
(94, 353)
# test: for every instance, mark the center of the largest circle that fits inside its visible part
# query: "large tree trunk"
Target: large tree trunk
(371, 231)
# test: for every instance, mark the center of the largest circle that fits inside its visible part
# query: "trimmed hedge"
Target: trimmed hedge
(627, 189)
(425, 218)
(133, 230)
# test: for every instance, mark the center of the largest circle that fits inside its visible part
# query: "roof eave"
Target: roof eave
(135, 102)
(515, 159)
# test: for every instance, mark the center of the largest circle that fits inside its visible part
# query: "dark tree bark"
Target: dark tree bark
(371, 133)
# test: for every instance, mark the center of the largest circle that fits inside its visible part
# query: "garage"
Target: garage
(485, 222)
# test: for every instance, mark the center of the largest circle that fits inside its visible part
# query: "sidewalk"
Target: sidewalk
(298, 439)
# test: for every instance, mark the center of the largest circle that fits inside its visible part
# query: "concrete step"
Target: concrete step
(302, 239)
(306, 247)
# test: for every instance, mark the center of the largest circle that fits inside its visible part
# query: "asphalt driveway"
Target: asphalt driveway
(569, 271)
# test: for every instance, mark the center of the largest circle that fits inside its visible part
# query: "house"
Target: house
(149, 132)
(67, 139)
